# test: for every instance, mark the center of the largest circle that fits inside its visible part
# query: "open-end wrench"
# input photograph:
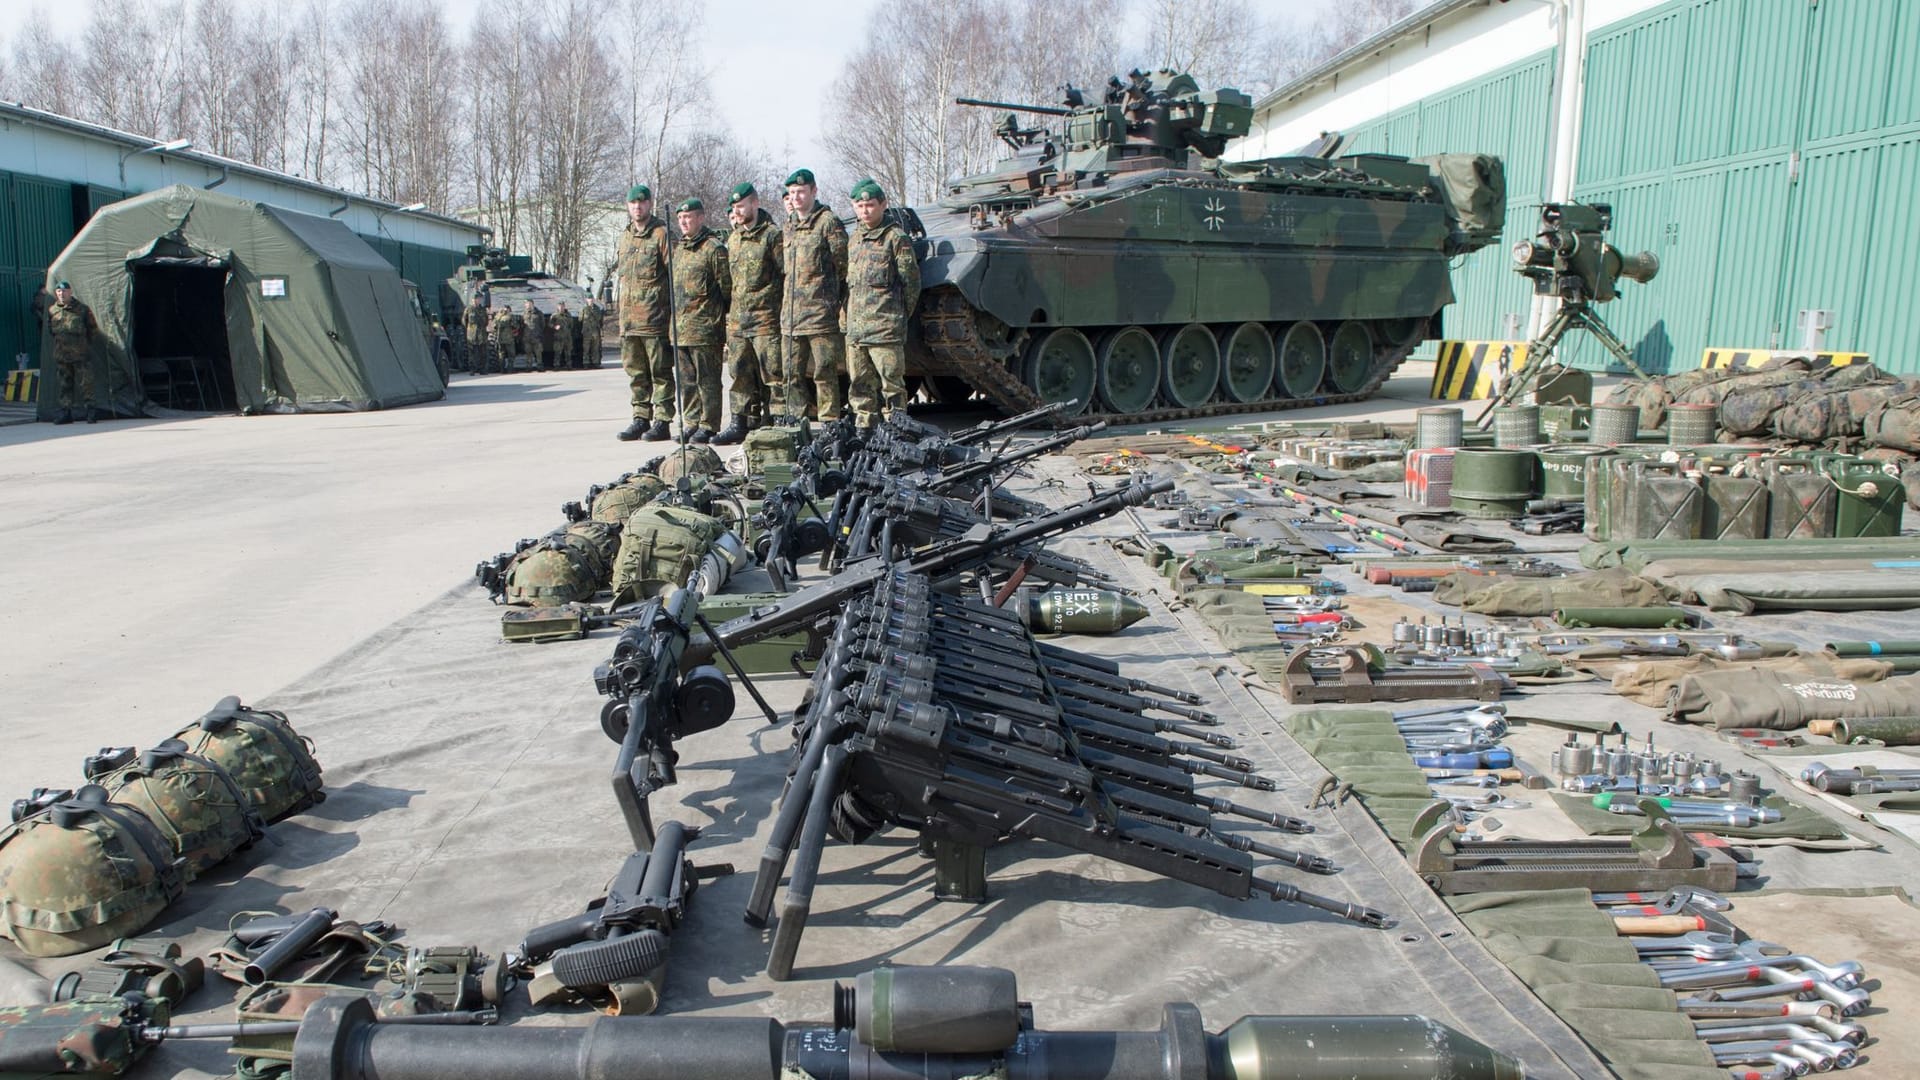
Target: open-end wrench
(1449, 710)
(1843, 1053)
(1667, 903)
(1706, 944)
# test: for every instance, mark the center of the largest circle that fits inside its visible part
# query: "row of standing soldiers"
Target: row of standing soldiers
(496, 336)
(796, 308)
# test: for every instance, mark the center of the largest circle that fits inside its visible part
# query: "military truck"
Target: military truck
(439, 346)
(509, 281)
(1120, 262)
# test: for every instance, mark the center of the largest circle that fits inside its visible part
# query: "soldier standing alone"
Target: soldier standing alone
(883, 285)
(753, 317)
(813, 296)
(701, 289)
(475, 320)
(590, 333)
(642, 266)
(564, 328)
(72, 327)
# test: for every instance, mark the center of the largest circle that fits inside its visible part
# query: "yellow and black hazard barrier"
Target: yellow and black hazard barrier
(1759, 358)
(1467, 370)
(23, 385)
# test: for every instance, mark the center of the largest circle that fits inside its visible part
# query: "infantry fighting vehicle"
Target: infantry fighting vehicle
(508, 281)
(1119, 262)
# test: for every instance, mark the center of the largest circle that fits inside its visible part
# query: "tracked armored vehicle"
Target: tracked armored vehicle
(506, 281)
(1120, 263)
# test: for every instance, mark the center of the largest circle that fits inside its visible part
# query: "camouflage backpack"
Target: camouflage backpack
(196, 803)
(273, 765)
(691, 460)
(613, 505)
(82, 872)
(1833, 413)
(661, 544)
(548, 573)
(1894, 423)
(1716, 391)
(771, 446)
(1654, 395)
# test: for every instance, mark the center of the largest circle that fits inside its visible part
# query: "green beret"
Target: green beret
(741, 190)
(638, 192)
(868, 189)
(691, 204)
(62, 285)
(800, 176)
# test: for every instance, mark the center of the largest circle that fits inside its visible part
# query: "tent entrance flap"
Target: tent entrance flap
(179, 333)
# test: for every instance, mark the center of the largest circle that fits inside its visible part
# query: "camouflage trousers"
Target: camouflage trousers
(563, 355)
(477, 354)
(815, 366)
(753, 374)
(76, 377)
(649, 367)
(879, 377)
(700, 386)
(589, 349)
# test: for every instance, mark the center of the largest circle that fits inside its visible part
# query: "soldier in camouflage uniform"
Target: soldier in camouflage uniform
(71, 325)
(753, 317)
(645, 312)
(563, 327)
(502, 339)
(533, 335)
(813, 297)
(590, 333)
(475, 320)
(883, 285)
(701, 289)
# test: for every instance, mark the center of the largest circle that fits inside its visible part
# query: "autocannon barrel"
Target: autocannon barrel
(1043, 110)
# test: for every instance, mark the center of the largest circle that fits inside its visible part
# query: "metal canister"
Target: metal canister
(1691, 424)
(1563, 470)
(1439, 429)
(1494, 483)
(1614, 425)
(1516, 425)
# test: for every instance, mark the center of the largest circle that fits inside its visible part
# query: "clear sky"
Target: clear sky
(773, 59)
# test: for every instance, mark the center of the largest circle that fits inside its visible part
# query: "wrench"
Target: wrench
(1845, 975)
(1830, 1030)
(1824, 1056)
(1669, 902)
(1700, 1009)
(1846, 1002)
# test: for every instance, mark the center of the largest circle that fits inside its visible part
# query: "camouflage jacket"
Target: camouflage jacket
(590, 320)
(883, 285)
(535, 322)
(641, 267)
(502, 325)
(701, 288)
(564, 324)
(476, 321)
(71, 324)
(754, 260)
(815, 259)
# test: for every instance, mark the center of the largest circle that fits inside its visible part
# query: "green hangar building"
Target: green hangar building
(1768, 151)
(56, 172)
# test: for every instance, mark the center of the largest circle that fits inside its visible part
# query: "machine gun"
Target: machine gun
(907, 1023)
(938, 714)
(1571, 259)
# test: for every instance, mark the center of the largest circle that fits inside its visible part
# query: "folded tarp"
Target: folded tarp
(1787, 700)
(1490, 594)
(1650, 682)
(1636, 554)
(1793, 586)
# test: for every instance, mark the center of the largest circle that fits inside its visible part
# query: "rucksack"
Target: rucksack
(774, 445)
(661, 545)
(273, 764)
(195, 802)
(82, 872)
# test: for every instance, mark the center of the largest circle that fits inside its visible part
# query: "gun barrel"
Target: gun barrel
(1043, 110)
(987, 429)
(291, 945)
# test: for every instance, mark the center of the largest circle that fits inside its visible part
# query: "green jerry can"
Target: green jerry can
(1658, 501)
(1735, 507)
(1604, 484)
(1801, 500)
(1869, 499)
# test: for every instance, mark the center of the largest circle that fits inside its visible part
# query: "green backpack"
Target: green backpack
(273, 765)
(83, 872)
(774, 445)
(661, 545)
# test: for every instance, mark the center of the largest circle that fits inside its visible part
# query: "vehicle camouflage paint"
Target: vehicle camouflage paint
(1120, 263)
(510, 281)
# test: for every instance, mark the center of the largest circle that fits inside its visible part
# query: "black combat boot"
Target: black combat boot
(734, 432)
(65, 417)
(701, 435)
(635, 430)
(659, 431)
(93, 415)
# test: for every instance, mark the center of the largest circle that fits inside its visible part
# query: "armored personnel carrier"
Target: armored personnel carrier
(1119, 262)
(506, 281)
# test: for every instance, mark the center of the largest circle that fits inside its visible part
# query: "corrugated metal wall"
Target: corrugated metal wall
(1767, 150)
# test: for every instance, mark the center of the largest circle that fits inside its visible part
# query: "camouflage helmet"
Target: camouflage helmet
(196, 803)
(690, 460)
(618, 502)
(547, 574)
(82, 872)
(603, 540)
(273, 766)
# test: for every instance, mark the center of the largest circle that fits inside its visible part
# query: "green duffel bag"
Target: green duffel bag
(1894, 423)
(773, 445)
(614, 505)
(661, 545)
(83, 872)
(1715, 391)
(273, 764)
(1653, 396)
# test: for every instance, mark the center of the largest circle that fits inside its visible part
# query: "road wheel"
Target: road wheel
(1350, 357)
(1060, 367)
(1303, 361)
(1247, 369)
(1129, 376)
(1189, 365)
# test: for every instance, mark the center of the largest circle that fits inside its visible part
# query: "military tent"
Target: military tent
(215, 303)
